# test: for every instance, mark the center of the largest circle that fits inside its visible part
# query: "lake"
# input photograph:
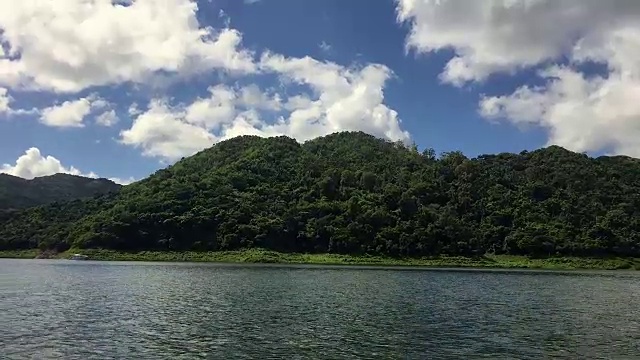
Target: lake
(57, 309)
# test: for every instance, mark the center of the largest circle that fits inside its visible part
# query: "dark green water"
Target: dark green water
(86, 310)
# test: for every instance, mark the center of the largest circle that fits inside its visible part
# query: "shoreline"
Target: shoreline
(258, 256)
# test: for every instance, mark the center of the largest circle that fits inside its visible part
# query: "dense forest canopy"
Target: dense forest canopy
(18, 193)
(353, 193)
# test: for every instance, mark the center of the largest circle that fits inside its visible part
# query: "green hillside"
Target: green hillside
(18, 193)
(351, 193)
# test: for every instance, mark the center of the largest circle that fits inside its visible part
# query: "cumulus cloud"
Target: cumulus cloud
(160, 132)
(344, 98)
(72, 113)
(67, 114)
(252, 96)
(338, 99)
(107, 118)
(582, 114)
(34, 164)
(70, 45)
(213, 111)
(506, 35)
(133, 109)
(580, 110)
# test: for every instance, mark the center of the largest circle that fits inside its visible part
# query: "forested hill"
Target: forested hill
(18, 193)
(353, 193)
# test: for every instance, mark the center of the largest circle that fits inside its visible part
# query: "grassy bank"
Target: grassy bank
(265, 256)
(19, 254)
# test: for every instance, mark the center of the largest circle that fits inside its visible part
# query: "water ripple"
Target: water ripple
(85, 310)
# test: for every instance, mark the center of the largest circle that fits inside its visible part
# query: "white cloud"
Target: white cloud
(120, 181)
(212, 112)
(72, 113)
(581, 114)
(580, 110)
(225, 103)
(134, 110)
(159, 132)
(338, 99)
(342, 98)
(251, 96)
(76, 44)
(506, 35)
(70, 45)
(107, 118)
(34, 164)
(8, 111)
(67, 114)
(98, 103)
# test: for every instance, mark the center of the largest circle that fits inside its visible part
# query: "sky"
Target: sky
(121, 88)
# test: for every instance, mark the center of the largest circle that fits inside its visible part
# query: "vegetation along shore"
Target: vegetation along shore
(345, 198)
(273, 257)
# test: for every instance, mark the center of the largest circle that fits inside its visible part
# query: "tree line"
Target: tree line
(352, 193)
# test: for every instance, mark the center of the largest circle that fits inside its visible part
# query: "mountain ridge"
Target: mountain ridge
(18, 193)
(353, 193)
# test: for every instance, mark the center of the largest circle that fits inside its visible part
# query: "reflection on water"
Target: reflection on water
(86, 310)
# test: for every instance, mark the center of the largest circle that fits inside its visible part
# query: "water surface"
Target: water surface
(56, 309)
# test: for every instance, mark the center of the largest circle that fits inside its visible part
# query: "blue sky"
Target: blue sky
(481, 77)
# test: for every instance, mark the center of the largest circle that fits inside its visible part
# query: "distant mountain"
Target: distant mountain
(352, 193)
(19, 193)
